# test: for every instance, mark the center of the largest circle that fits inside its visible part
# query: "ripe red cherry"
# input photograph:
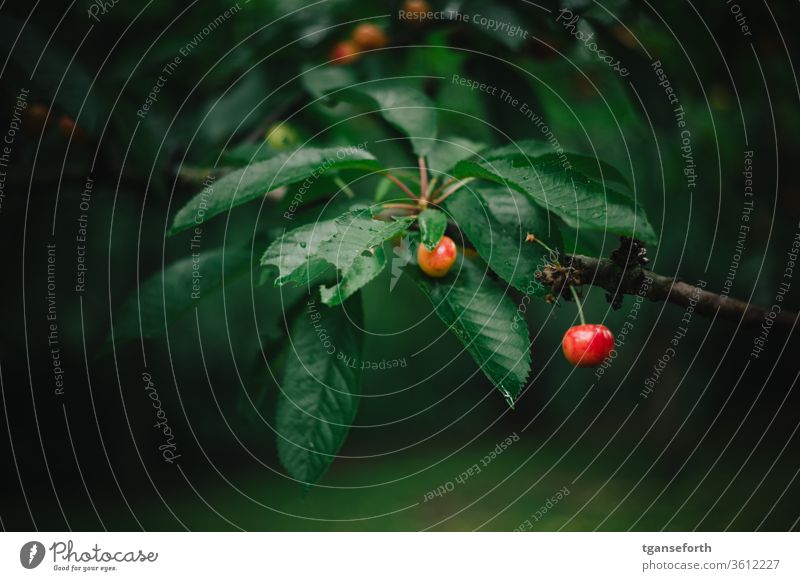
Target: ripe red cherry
(344, 52)
(437, 262)
(70, 130)
(587, 345)
(368, 36)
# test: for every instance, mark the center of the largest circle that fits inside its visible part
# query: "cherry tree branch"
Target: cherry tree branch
(625, 274)
(633, 279)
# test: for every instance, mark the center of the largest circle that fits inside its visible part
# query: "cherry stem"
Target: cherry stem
(534, 238)
(401, 185)
(578, 302)
(453, 189)
(443, 186)
(423, 179)
(432, 184)
(401, 206)
(344, 187)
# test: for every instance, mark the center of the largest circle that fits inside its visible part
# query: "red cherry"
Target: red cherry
(437, 262)
(344, 52)
(71, 130)
(368, 36)
(587, 345)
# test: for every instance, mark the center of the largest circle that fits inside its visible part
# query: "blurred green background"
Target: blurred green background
(713, 447)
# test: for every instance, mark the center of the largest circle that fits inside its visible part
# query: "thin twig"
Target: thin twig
(443, 186)
(453, 189)
(401, 185)
(401, 206)
(344, 187)
(577, 300)
(433, 183)
(423, 179)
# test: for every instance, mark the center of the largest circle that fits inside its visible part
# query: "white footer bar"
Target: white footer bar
(389, 556)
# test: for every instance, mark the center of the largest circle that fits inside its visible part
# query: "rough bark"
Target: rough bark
(633, 279)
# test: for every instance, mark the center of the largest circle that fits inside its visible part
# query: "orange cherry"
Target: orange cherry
(417, 9)
(36, 118)
(368, 36)
(437, 262)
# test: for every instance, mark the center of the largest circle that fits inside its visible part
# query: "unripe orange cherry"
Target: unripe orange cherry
(36, 118)
(344, 52)
(417, 8)
(437, 262)
(587, 345)
(369, 36)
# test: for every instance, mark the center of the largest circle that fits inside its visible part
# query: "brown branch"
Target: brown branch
(632, 279)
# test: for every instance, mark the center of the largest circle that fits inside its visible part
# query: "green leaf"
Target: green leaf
(245, 154)
(593, 168)
(295, 253)
(358, 233)
(307, 194)
(257, 179)
(486, 321)
(408, 109)
(432, 225)
(579, 199)
(364, 268)
(319, 390)
(350, 243)
(321, 80)
(497, 220)
(170, 294)
(446, 153)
